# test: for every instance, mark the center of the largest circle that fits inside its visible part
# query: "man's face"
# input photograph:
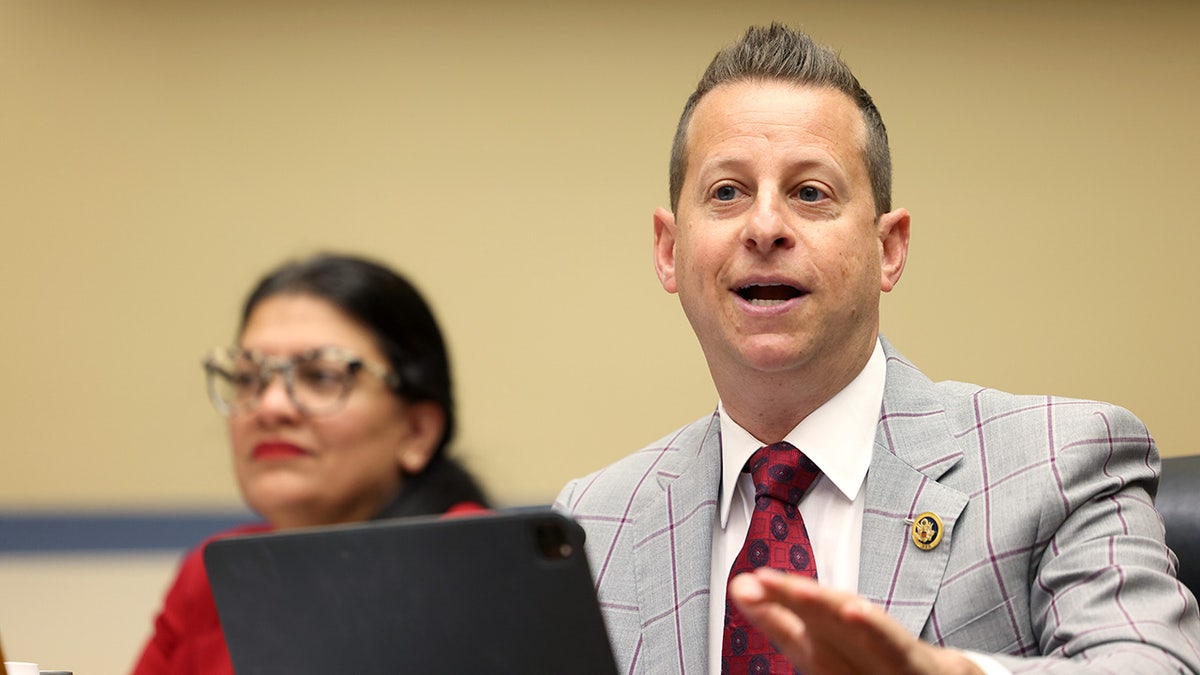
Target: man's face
(774, 248)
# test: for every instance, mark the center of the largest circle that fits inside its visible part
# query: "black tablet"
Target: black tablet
(504, 592)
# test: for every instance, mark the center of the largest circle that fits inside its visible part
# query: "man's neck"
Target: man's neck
(771, 413)
(770, 405)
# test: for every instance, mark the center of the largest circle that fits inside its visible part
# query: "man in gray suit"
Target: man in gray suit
(955, 529)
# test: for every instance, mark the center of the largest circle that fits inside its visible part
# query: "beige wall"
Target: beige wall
(158, 156)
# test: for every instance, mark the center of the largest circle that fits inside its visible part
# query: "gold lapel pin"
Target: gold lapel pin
(927, 531)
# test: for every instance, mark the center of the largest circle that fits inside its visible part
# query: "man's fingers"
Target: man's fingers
(781, 624)
(820, 630)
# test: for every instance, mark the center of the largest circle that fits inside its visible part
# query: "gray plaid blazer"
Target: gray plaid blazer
(1052, 557)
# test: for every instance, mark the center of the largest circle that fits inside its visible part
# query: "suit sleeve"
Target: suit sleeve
(1103, 596)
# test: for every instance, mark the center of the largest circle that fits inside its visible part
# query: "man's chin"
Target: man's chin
(774, 354)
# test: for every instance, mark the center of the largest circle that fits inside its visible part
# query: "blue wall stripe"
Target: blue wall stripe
(66, 532)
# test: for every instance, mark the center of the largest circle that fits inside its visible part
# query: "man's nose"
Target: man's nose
(766, 226)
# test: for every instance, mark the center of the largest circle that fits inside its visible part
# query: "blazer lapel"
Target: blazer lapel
(676, 530)
(913, 449)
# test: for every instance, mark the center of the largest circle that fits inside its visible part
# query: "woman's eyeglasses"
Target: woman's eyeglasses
(318, 382)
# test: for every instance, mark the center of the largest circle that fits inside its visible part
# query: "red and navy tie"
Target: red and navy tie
(778, 539)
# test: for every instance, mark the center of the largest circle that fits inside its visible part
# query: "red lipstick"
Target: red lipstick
(277, 450)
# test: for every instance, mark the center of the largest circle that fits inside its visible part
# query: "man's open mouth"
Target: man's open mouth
(767, 295)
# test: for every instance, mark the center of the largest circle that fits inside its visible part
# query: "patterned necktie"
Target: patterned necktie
(778, 539)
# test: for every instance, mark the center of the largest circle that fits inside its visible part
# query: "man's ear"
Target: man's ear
(664, 248)
(426, 423)
(893, 247)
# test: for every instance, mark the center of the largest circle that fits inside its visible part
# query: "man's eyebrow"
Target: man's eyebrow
(804, 162)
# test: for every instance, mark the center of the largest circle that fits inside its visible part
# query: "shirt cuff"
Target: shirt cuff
(986, 663)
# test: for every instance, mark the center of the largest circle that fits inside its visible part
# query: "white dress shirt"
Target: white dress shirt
(839, 438)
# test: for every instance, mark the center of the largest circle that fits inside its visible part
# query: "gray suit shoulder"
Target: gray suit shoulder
(970, 404)
(623, 480)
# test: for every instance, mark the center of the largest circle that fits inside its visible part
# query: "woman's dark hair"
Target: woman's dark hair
(407, 333)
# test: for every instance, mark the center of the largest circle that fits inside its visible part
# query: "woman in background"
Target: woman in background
(340, 408)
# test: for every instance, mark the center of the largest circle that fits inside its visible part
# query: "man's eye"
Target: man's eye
(726, 193)
(809, 193)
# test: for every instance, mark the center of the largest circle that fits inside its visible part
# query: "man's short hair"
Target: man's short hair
(779, 53)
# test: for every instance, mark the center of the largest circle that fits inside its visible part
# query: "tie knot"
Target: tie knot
(782, 472)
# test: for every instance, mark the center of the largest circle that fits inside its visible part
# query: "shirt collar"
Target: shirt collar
(838, 436)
